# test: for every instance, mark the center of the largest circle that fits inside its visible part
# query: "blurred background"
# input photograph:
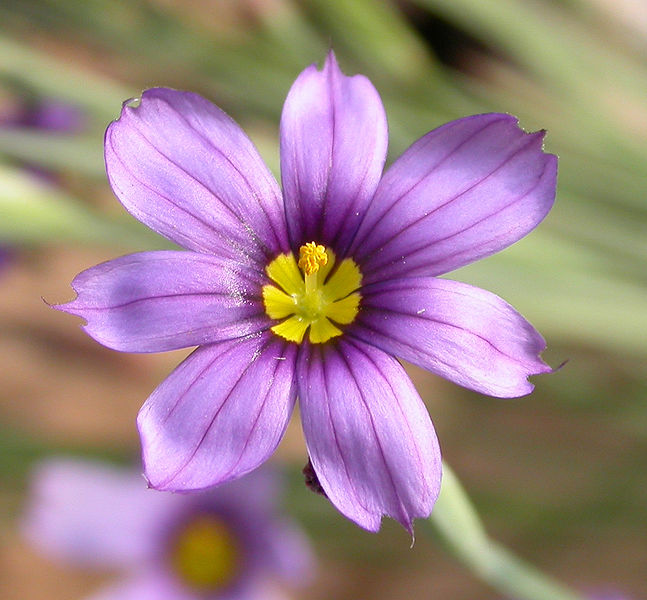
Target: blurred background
(559, 476)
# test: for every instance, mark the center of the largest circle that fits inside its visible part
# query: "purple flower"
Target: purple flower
(227, 543)
(47, 115)
(606, 595)
(313, 292)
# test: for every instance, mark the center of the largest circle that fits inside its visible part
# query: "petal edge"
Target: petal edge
(219, 414)
(369, 436)
(460, 193)
(164, 300)
(463, 333)
(333, 147)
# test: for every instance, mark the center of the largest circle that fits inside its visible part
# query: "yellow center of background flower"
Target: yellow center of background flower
(316, 299)
(205, 555)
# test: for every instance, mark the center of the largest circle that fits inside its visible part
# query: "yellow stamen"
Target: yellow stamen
(205, 555)
(314, 301)
(311, 257)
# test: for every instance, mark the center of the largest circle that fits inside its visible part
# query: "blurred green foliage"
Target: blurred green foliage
(580, 276)
(565, 66)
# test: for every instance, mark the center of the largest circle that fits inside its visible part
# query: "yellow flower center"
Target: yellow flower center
(205, 555)
(317, 299)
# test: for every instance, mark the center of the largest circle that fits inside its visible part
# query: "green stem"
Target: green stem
(455, 520)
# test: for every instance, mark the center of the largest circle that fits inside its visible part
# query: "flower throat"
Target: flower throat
(310, 294)
(205, 555)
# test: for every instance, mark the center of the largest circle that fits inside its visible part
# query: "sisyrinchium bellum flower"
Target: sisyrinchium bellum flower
(313, 291)
(228, 543)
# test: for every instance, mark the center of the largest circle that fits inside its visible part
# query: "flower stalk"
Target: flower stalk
(456, 521)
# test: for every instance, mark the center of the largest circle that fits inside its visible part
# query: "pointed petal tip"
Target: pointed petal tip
(460, 332)
(71, 308)
(331, 61)
(329, 67)
(527, 387)
(373, 522)
(60, 307)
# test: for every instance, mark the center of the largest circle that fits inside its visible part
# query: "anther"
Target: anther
(311, 257)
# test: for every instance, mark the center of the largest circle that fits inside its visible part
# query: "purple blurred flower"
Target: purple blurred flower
(605, 595)
(47, 115)
(5, 256)
(227, 543)
(313, 292)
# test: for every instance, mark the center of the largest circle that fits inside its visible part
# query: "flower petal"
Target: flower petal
(164, 300)
(455, 330)
(286, 552)
(184, 168)
(369, 436)
(462, 192)
(333, 146)
(155, 585)
(94, 515)
(220, 414)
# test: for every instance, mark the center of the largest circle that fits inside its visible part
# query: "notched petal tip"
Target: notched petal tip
(462, 192)
(540, 134)
(550, 158)
(533, 365)
(149, 93)
(133, 102)
(540, 367)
